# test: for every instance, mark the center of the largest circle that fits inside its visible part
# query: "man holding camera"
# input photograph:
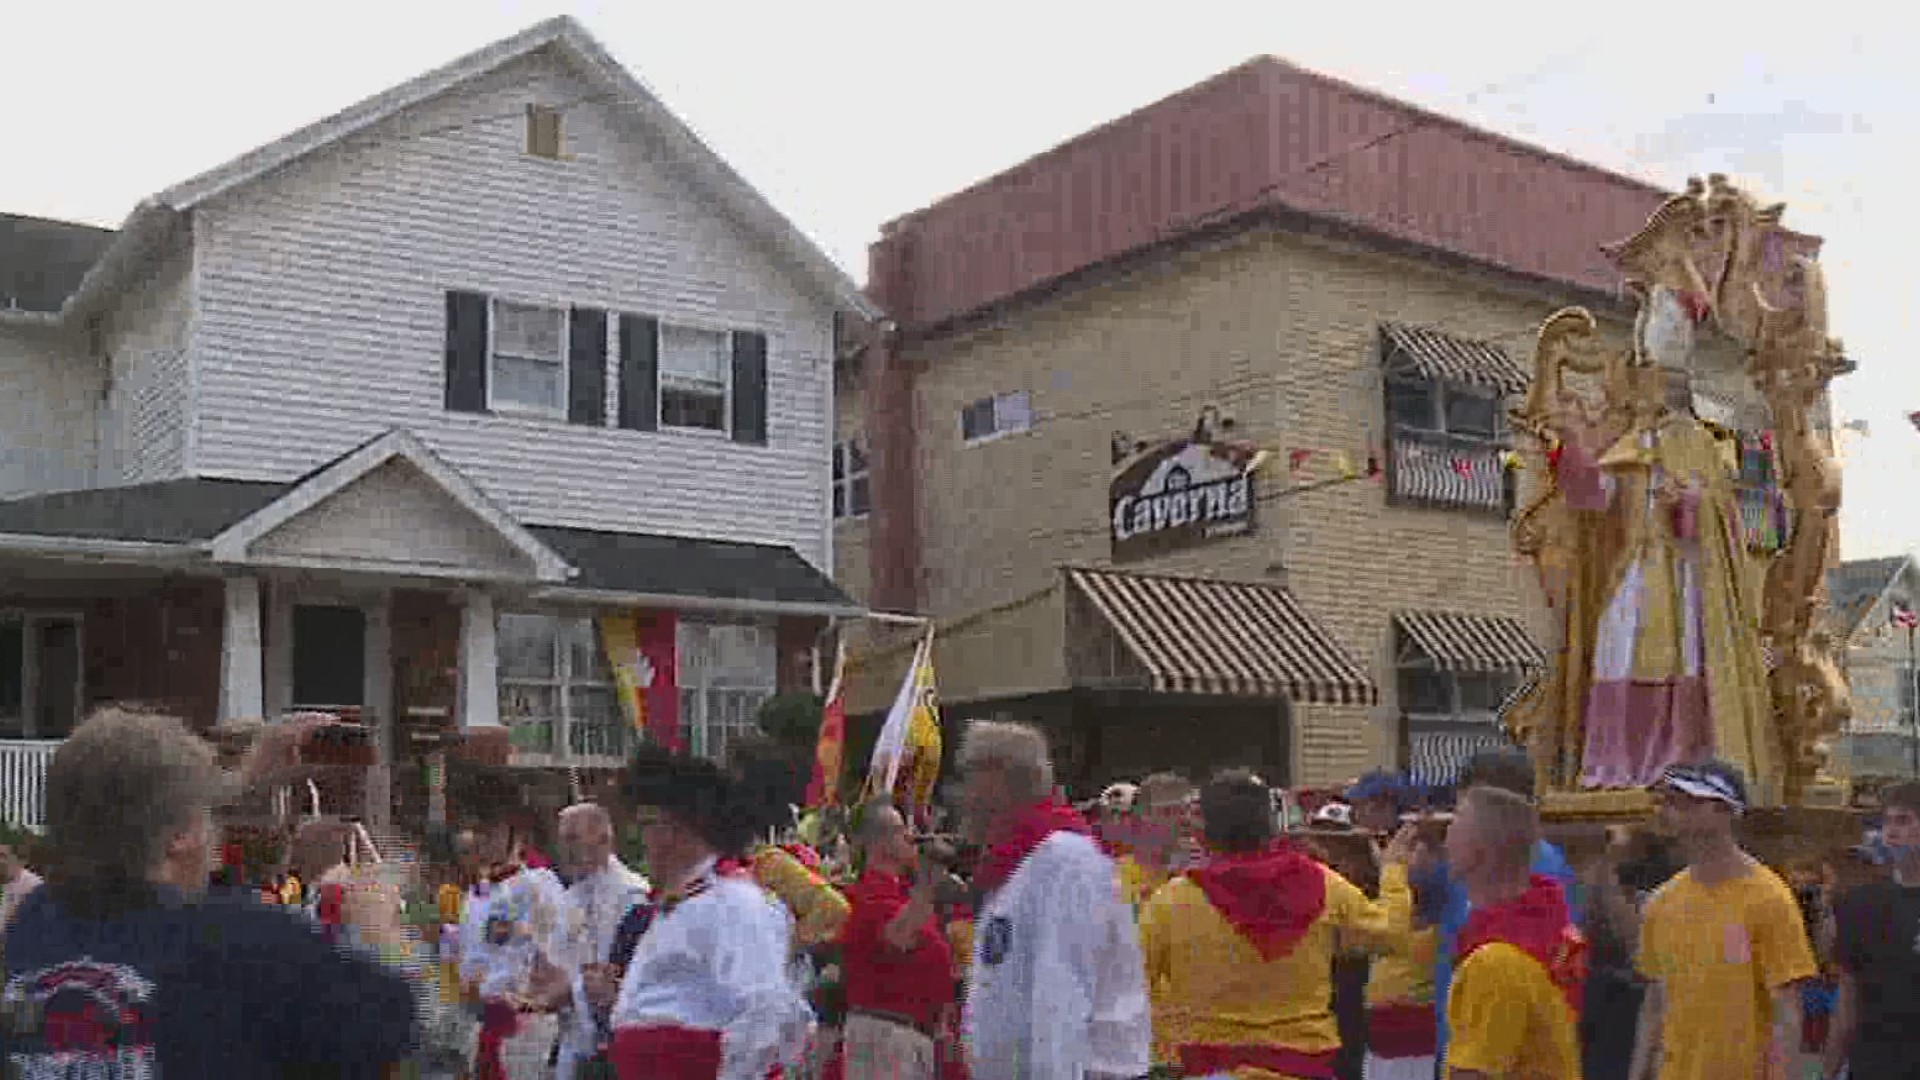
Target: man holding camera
(897, 963)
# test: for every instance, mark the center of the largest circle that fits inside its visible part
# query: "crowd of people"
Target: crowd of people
(1167, 929)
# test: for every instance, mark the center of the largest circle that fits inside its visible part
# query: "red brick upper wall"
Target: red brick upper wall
(1263, 133)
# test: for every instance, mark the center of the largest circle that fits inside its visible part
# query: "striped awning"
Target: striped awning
(1441, 356)
(1195, 635)
(1458, 642)
(1436, 757)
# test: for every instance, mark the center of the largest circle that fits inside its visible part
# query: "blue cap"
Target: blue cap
(1379, 784)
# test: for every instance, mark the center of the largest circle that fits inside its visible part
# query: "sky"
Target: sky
(847, 113)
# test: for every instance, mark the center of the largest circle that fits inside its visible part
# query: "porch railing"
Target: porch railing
(23, 781)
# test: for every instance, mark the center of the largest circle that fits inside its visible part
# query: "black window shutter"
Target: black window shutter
(466, 372)
(639, 373)
(749, 387)
(587, 367)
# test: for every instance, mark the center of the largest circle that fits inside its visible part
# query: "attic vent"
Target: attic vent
(543, 131)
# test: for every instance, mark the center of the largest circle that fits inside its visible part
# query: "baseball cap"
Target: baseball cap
(1334, 814)
(1716, 780)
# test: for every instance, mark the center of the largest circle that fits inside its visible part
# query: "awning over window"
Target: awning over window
(1458, 642)
(1218, 637)
(1436, 756)
(1440, 356)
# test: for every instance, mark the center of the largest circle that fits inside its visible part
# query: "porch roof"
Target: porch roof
(190, 513)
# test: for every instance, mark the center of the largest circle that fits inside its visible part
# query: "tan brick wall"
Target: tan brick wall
(1281, 334)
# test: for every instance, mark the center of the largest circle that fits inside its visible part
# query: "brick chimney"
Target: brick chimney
(893, 451)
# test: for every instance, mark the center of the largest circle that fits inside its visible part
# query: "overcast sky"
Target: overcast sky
(849, 113)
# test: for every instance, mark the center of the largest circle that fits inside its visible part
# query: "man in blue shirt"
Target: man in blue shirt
(124, 964)
(1510, 770)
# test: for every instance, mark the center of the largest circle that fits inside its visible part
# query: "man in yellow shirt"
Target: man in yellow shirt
(1244, 945)
(1152, 841)
(1515, 1000)
(1722, 944)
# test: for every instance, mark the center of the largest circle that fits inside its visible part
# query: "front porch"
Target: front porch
(384, 589)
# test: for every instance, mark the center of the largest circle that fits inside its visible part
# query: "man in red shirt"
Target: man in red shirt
(896, 962)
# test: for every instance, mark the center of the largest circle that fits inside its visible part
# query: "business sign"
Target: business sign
(1179, 494)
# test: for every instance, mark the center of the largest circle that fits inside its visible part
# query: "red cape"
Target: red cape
(1018, 839)
(1537, 923)
(1271, 898)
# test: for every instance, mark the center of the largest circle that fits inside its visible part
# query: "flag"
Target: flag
(1914, 418)
(1297, 462)
(824, 788)
(908, 750)
(1904, 617)
(1343, 464)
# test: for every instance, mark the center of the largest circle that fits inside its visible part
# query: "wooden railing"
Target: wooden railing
(23, 781)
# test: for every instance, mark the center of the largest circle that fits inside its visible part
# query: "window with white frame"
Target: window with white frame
(527, 366)
(852, 495)
(1001, 414)
(695, 370)
(727, 671)
(557, 694)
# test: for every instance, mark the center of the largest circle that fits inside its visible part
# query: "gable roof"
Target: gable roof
(1855, 588)
(564, 33)
(234, 542)
(193, 514)
(1266, 138)
(42, 261)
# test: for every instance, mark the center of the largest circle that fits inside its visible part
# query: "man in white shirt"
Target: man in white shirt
(1057, 989)
(599, 891)
(706, 994)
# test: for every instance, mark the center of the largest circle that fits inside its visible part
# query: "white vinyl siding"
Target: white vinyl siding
(323, 323)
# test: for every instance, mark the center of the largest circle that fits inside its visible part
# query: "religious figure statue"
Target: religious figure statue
(1671, 647)
(1678, 672)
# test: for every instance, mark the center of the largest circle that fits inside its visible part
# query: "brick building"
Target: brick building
(1271, 260)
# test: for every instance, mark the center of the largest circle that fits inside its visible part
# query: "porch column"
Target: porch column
(279, 654)
(242, 694)
(378, 711)
(479, 663)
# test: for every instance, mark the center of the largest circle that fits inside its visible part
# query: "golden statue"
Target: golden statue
(1569, 528)
(1664, 631)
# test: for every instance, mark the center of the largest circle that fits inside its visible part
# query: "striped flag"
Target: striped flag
(1904, 617)
(824, 788)
(907, 753)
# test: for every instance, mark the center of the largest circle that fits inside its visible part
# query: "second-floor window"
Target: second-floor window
(991, 417)
(852, 495)
(1445, 429)
(557, 693)
(600, 368)
(694, 365)
(528, 358)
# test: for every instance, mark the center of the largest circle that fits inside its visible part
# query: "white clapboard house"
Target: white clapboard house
(383, 417)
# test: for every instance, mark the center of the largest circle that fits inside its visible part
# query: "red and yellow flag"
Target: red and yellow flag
(824, 788)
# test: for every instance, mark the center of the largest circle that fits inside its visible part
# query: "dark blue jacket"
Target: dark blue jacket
(221, 986)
